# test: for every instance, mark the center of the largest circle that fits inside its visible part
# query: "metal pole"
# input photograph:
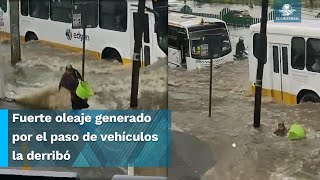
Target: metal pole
(15, 32)
(83, 50)
(84, 37)
(210, 91)
(138, 30)
(261, 61)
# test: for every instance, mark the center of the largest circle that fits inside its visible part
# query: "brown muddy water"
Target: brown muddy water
(258, 154)
(206, 149)
(34, 82)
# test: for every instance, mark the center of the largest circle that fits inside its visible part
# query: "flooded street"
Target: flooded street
(42, 66)
(258, 154)
(36, 79)
(216, 8)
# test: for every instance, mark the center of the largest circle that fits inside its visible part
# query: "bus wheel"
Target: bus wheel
(31, 36)
(111, 54)
(310, 97)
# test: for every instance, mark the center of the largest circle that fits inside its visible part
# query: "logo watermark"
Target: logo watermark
(72, 35)
(287, 10)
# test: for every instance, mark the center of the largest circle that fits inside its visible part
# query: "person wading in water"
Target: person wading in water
(240, 50)
(70, 80)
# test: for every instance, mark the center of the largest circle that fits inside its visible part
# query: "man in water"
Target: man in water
(70, 80)
(282, 130)
(240, 49)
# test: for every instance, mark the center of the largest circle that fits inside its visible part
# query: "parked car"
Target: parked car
(240, 13)
(175, 6)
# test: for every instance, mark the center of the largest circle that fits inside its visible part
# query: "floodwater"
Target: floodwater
(216, 8)
(34, 82)
(258, 154)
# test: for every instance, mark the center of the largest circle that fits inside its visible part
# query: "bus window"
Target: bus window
(285, 60)
(39, 9)
(256, 45)
(3, 5)
(61, 10)
(172, 42)
(113, 15)
(161, 26)
(275, 59)
(183, 43)
(146, 30)
(222, 47)
(298, 53)
(147, 55)
(313, 55)
(24, 7)
(172, 37)
(92, 15)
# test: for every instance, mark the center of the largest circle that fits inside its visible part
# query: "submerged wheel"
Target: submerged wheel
(310, 97)
(111, 54)
(30, 36)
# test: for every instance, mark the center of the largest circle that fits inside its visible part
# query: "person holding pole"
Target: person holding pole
(70, 81)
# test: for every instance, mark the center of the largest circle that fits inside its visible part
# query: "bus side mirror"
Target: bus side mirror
(260, 52)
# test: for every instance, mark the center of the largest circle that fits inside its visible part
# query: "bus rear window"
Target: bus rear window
(313, 55)
(298, 53)
(3, 5)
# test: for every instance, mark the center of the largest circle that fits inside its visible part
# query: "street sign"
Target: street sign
(76, 22)
(80, 19)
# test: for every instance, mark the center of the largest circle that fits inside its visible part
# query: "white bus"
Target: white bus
(292, 72)
(185, 34)
(112, 38)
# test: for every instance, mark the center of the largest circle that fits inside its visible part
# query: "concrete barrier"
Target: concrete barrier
(35, 175)
(126, 177)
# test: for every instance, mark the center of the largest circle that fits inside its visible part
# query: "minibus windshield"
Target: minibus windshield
(223, 43)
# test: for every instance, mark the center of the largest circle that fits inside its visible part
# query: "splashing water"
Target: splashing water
(34, 81)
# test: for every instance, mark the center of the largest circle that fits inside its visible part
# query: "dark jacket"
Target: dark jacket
(240, 48)
(70, 80)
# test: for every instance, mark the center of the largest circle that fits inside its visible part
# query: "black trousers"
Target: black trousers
(78, 103)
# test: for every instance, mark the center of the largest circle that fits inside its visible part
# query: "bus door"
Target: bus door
(280, 76)
(183, 44)
(174, 52)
